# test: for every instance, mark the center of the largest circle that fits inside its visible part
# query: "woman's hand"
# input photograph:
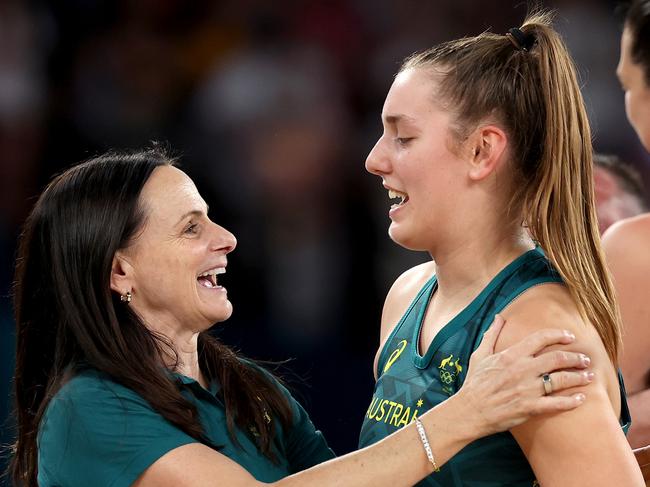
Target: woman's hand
(506, 388)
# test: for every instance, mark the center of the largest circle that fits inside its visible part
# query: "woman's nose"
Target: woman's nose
(223, 240)
(377, 161)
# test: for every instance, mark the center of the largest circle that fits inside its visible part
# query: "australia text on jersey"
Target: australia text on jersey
(391, 412)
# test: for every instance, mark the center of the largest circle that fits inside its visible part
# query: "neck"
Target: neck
(184, 356)
(464, 270)
(188, 359)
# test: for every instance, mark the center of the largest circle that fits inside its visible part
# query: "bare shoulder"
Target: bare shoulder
(554, 443)
(626, 249)
(551, 306)
(628, 236)
(544, 306)
(402, 293)
(398, 299)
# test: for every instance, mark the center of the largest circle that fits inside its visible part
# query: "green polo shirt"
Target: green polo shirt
(100, 433)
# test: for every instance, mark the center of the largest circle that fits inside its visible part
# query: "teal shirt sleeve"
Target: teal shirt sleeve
(97, 432)
(305, 446)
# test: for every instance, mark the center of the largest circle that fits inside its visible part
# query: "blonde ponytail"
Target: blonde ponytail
(534, 94)
(558, 204)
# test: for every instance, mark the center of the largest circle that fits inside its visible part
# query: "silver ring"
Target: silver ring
(548, 386)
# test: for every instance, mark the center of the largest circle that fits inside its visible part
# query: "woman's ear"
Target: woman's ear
(121, 274)
(488, 145)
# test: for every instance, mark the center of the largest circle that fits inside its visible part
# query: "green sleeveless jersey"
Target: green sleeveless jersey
(409, 384)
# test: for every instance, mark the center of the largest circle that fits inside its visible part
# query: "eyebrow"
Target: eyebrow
(394, 119)
(194, 213)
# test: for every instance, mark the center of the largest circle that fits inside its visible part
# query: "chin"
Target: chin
(217, 316)
(404, 238)
(224, 314)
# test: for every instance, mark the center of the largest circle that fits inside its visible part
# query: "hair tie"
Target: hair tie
(521, 41)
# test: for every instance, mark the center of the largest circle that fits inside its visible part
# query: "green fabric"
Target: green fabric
(100, 433)
(409, 384)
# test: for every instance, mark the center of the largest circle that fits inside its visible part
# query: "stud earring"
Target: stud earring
(126, 297)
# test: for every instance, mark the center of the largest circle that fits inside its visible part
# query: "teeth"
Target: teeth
(392, 194)
(213, 272)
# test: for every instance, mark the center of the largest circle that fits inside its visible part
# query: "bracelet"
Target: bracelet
(425, 444)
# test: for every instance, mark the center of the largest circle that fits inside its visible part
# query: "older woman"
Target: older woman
(118, 383)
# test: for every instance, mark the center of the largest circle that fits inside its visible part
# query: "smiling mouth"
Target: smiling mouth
(397, 195)
(208, 279)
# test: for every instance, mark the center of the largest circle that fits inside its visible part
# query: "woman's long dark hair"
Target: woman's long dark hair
(67, 318)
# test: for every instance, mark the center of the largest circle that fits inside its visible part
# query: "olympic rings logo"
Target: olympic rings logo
(447, 377)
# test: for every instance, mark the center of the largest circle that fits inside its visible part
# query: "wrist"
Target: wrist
(452, 423)
(470, 424)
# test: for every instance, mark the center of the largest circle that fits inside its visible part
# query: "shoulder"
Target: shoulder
(93, 418)
(536, 308)
(626, 251)
(547, 306)
(554, 443)
(402, 293)
(551, 306)
(627, 236)
(90, 391)
(89, 404)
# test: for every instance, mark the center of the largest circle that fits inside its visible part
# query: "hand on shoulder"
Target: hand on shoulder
(554, 443)
(551, 306)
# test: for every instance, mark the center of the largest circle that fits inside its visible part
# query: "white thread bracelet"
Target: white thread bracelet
(425, 444)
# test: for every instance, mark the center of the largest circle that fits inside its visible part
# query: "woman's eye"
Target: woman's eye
(192, 229)
(403, 140)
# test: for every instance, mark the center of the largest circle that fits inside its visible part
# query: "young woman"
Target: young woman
(118, 383)
(626, 244)
(487, 148)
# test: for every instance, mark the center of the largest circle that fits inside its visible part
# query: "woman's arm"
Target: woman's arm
(579, 447)
(492, 399)
(626, 249)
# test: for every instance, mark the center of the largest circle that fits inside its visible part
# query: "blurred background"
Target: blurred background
(272, 107)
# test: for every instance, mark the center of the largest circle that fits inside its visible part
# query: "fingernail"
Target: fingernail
(589, 376)
(580, 397)
(585, 360)
(569, 335)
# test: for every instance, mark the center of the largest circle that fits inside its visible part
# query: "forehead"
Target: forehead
(169, 193)
(411, 94)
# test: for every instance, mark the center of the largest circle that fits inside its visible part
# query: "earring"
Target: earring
(126, 297)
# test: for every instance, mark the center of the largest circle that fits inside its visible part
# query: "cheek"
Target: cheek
(165, 274)
(630, 105)
(639, 116)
